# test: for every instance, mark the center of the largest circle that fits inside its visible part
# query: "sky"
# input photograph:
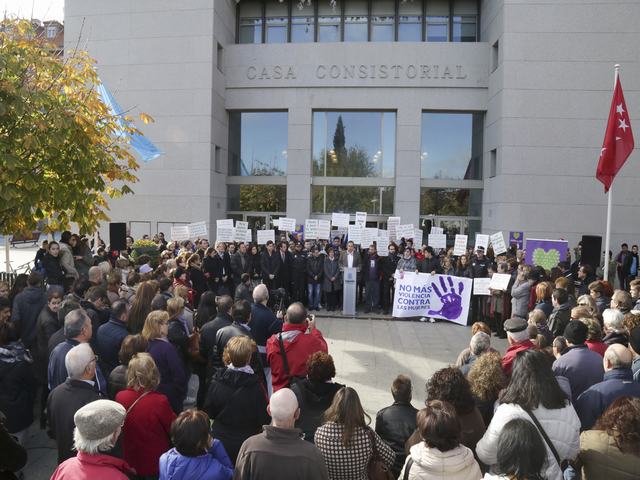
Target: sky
(42, 9)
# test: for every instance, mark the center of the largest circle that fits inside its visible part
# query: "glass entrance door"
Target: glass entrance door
(451, 226)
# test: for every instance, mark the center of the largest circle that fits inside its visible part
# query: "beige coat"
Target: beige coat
(432, 464)
(601, 458)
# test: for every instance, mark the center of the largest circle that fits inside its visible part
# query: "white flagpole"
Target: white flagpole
(607, 238)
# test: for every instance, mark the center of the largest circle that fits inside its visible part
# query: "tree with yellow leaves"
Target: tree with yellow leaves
(63, 153)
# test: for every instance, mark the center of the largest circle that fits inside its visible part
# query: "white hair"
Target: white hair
(95, 274)
(613, 320)
(260, 293)
(480, 343)
(520, 336)
(92, 447)
(77, 359)
(105, 268)
(283, 405)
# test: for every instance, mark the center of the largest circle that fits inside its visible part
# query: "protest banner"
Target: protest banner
(405, 231)
(225, 222)
(383, 243)
(482, 240)
(199, 230)
(355, 234)
(545, 253)
(481, 286)
(265, 235)
(437, 230)
(361, 219)
(311, 229)
(497, 241)
(286, 224)
(460, 245)
(418, 238)
(340, 220)
(324, 229)
(224, 234)
(179, 233)
(500, 281)
(437, 240)
(517, 239)
(240, 234)
(439, 296)
(249, 237)
(392, 223)
(369, 235)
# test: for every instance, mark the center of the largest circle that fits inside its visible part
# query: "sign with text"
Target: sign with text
(369, 235)
(311, 229)
(500, 281)
(437, 240)
(355, 234)
(481, 286)
(225, 222)
(437, 230)
(361, 219)
(199, 229)
(392, 223)
(324, 229)
(241, 229)
(418, 238)
(287, 224)
(497, 240)
(225, 234)
(265, 235)
(482, 240)
(179, 233)
(405, 231)
(439, 296)
(340, 219)
(460, 245)
(383, 243)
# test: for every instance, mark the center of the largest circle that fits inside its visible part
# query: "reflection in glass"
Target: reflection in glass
(437, 29)
(452, 145)
(354, 144)
(382, 21)
(250, 22)
(373, 200)
(410, 22)
(258, 143)
(355, 21)
(277, 18)
(302, 24)
(464, 28)
(328, 22)
(257, 198)
(453, 202)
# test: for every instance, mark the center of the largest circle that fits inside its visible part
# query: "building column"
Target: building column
(299, 164)
(408, 141)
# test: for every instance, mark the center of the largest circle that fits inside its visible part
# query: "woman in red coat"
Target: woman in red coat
(149, 416)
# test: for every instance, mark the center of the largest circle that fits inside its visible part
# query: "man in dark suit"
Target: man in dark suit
(284, 273)
(240, 263)
(270, 266)
(221, 271)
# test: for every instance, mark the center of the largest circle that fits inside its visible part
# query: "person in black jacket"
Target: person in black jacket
(198, 280)
(371, 276)
(27, 305)
(299, 274)
(256, 265)
(53, 271)
(430, 263)
(315, 393)
(315, 271)
(389, 265)
(241, 263)
(13, 456)
(270, 266)
(209, 332)
(236, 399)
(284, 272)
(397, 422)
(217, 268)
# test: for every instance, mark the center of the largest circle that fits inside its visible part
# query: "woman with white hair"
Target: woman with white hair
(613, 320)
(98, 426)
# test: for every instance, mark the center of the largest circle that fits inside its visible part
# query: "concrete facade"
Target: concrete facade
(542, 73)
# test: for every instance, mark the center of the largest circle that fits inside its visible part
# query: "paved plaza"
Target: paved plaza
(368, 353)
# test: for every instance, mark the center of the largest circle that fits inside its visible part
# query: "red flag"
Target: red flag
(618, 140)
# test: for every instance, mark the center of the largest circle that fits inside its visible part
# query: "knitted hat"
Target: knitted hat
(99, 419)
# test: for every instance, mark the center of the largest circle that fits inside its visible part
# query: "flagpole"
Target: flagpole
(607, 238)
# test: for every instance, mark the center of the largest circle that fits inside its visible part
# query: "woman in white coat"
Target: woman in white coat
(440, 456)
(534, 389)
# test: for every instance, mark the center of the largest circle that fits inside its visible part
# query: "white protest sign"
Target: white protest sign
(383, 243)
(499, 246)
(226, 222)
(482, 240)
(179, 233)
(199, 229)
(225, 234)
(340, 219)
(355, 234)
(392, 223)
(481, 286)
(361, 219)
(240, 234)
(418, 238)
(437, 240)
(249, 237)
(437, 230)
(265, 235)
(460, 245)
(339, 232)
(405, 231)
(369, 235)
(500, 281)
(287, 224)
(324, 229)
(311, 229)
(438, 296)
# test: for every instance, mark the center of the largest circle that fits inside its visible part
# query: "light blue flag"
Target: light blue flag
(147, 150)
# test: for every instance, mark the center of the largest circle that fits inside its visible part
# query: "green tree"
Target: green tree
(62, 153)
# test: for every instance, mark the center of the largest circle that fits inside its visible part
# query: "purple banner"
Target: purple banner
(516, 238)
(546, 253)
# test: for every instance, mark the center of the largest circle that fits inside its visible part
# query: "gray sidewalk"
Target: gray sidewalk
(368, 354)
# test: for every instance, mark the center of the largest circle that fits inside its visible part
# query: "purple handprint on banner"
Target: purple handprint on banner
(451, 301)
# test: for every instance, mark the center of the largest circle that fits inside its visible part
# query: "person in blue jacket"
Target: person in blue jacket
(195, 454)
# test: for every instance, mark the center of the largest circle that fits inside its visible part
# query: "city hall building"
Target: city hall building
(471, 115)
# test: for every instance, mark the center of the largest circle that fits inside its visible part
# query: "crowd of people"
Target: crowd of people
(195, 361)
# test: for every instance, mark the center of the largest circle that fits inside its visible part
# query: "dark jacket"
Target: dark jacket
(299, 267)
(208, 334)
(243, 292)
(215, 267)
(17, 386)
(63, 403)
(389, 265)
(14, 455)
(313, 399)
(546, 307)
(53, 272)
(395, 424)
(26, 307)
(269, 264)
(256, 266)
(234, 330)
(263, 324)
(237, 268)
(117, 381)
(108, 341)
(315, 269)
(614, 337)
(595, 400)
(428, 265)
(173, 374)
(280, 453)
(284, 272)
(331, 270)
(46, 326)
(198, 283)
(581, 366)
(366, 268)
(559, 319)
(237, 403)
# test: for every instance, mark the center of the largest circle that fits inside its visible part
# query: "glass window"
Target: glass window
(258, 143)
(453, 202)
(356, 21)
(257, 198)
(383, 21)
(250, 22)
(410, 22)
(277, 18)
(437, 21)
(373, 200)
(328, 22)
(464, 28)
(354, 144)
(302, 23)
(452, 145)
